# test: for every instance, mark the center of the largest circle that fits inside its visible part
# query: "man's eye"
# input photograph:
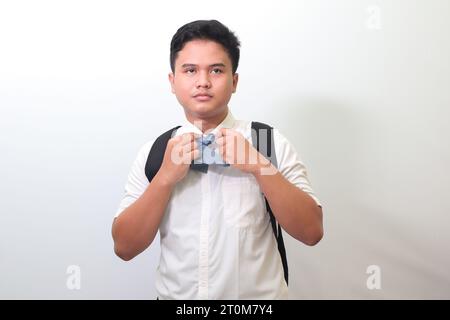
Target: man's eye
(190, 70)
(217, 70)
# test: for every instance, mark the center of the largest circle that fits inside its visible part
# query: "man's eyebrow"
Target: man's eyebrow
(187, 65)
(218, 65)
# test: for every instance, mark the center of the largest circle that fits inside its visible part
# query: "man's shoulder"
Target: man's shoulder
(145, 148)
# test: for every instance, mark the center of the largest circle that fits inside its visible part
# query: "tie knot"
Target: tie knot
(208, 139)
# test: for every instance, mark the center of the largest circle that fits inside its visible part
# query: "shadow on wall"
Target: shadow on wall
(336, 142)
(349, 159)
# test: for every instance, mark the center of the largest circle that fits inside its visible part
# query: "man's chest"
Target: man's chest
(221, 198)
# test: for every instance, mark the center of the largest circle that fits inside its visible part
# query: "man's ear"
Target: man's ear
(171, 79)
(235, 81)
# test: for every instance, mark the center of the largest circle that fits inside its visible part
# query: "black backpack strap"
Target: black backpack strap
(156, 154)
(262, 138)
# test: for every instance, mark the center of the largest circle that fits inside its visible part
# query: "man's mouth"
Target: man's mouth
(202, 97)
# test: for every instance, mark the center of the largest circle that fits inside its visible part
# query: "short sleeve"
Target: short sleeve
(291, 166)
(137, 181)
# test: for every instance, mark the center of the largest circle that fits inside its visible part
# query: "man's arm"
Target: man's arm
(136, 227)
(294, 209)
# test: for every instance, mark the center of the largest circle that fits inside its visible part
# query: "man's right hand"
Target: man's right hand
(180, 152)
(136, 227)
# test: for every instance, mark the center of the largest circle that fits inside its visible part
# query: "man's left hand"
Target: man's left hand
(238, 151)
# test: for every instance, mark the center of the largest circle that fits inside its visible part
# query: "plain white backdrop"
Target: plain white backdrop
(361, 88)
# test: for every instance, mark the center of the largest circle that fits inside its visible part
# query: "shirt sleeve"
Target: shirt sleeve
(137, 181)
(291, 166)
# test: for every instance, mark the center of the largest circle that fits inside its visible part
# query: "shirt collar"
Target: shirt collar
(227, 123)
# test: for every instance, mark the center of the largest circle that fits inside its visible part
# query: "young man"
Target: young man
(216, 236)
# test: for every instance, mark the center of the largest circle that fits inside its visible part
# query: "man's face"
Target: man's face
(203, 81)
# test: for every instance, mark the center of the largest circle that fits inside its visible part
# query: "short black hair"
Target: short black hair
(208, 30)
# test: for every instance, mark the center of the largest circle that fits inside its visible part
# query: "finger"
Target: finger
(229, 152)
(220, 141)
(175, 140)
(223, 152)
(194, 145)
(219, 134)
(187, 147)
(191, 144)
(190, 140)
(189, 137)
(223, 132)
(189, 154)
(195, 154)
(230, 139)
(179, 141)
(195, 135)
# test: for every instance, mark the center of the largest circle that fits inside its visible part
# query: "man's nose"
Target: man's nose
(203, 80)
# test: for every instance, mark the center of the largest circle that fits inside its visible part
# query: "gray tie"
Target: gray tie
(208, 154)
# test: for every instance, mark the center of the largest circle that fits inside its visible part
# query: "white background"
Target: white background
(361, 88)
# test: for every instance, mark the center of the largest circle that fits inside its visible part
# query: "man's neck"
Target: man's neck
(207, 124)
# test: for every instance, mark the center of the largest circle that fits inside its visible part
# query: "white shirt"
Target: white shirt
(216, 238)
